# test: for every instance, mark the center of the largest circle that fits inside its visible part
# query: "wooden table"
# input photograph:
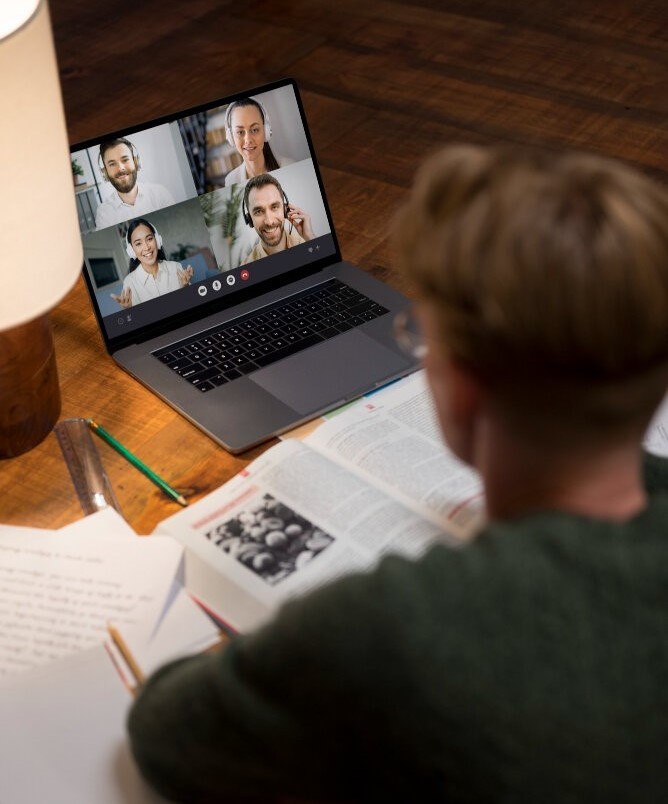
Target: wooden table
(384, 84)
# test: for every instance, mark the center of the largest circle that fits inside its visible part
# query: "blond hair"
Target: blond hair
(546, 271)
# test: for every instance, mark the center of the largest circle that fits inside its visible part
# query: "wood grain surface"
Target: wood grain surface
(384, 84)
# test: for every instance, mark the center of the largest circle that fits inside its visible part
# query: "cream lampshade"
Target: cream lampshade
(40, 244)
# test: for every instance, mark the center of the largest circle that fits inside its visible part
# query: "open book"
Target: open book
(374, 478)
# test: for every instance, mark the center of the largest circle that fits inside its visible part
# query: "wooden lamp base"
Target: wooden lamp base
(29, 391)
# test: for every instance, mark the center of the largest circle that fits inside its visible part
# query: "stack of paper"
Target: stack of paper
(62, 701)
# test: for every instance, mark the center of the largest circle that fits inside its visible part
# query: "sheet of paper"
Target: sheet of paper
(59, 589)
(106, 522)
(62, 736)
(183, 630)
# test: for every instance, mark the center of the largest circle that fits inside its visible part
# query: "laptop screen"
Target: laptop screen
(191, 213)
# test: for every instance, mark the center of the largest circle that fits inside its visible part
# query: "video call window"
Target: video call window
(180, 188)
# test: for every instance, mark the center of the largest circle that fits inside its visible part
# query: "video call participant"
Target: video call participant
(529, 665)
(266, 209)
(151, 274)
(119, 164)
(248, 129)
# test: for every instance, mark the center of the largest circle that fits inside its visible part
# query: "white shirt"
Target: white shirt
(149, 198)
(239, 175)
(145, 286)
(258, 252)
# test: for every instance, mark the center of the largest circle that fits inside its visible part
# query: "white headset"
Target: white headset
(228, 119)
(128, 245)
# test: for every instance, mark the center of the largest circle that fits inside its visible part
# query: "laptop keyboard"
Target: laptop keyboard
(228, 351)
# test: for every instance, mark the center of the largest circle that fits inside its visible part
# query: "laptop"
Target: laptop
(227, 295)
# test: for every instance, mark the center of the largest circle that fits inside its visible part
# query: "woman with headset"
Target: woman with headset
(248, 129)
(151, 274)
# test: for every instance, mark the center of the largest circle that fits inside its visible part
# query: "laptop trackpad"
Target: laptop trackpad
(331, 372)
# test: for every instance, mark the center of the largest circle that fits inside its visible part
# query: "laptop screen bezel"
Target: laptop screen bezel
(229, 300)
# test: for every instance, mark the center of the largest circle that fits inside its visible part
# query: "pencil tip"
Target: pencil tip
(181, 500)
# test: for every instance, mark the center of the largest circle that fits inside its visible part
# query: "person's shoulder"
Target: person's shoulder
(295, 239)
(155, 190)
(256, 253)
(655, 470)
(235, 176)
(284, 161)
(555, 550)
(106, 213)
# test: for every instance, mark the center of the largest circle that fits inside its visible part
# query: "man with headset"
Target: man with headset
(119, 164)
(266, 208)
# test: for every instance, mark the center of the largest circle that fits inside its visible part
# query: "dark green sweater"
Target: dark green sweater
(530, 666)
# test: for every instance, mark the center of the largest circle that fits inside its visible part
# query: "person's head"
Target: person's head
(544, 282)
(119, 163)
(143, 244)
(248, 130)
(265, 209)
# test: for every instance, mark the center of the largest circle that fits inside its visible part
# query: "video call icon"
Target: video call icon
(202, 290)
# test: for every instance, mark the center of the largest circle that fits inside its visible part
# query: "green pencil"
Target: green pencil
(150, 474)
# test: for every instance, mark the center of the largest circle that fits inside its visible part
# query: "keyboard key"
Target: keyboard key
(200, 376)
(246, 368)
(279, 354)
(178, 365)
(329, 332)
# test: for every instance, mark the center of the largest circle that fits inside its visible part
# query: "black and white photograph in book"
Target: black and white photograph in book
(270, 539)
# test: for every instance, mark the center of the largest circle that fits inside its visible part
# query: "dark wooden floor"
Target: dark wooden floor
(384, 83)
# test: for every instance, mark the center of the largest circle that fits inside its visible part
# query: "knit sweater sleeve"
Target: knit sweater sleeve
(270, 714)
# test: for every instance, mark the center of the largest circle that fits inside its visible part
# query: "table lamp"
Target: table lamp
(40, 244)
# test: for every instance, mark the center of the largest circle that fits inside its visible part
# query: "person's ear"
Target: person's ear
(465, 390)
(457, 392)
(459, 405)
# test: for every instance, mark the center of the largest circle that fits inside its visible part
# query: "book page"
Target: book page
(392, 439)
(59, 589)
(289, 522)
